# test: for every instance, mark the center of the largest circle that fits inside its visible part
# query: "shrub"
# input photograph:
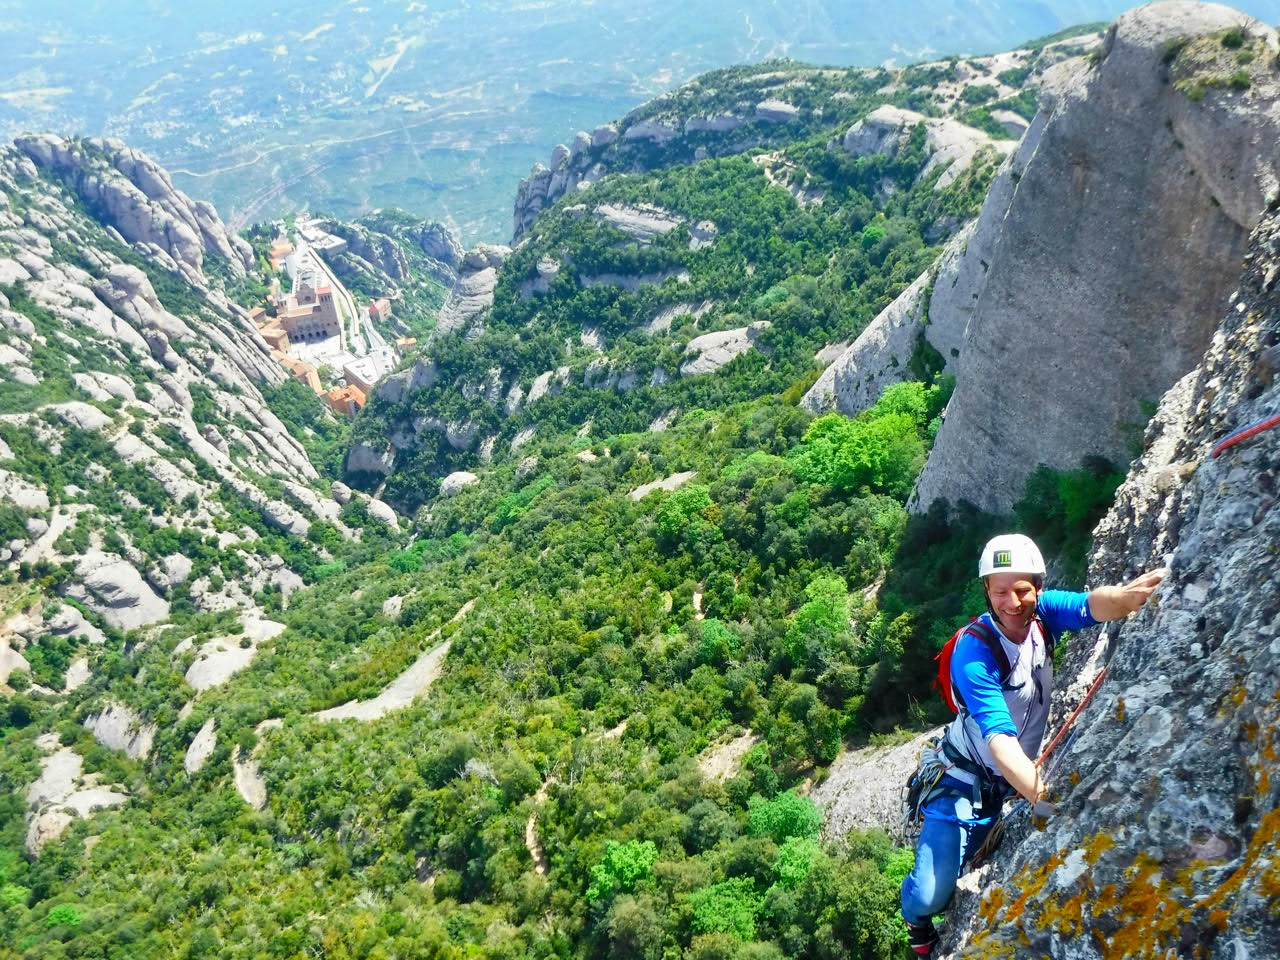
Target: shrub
(785, 816)
(63, 915)
(622, 869)
(727, 907)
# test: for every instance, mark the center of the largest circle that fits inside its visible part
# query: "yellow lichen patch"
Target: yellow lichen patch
(1100, 844)
(992, 901)
(984, 946)
(1150, 917)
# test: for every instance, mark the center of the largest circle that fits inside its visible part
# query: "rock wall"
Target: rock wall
(1166, 839)
(132, 193)
(171, 386)
(1073, 322)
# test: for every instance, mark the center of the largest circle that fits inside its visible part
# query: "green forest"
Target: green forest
(551, 795)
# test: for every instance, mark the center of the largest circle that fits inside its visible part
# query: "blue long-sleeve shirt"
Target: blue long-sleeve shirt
(1018, 706)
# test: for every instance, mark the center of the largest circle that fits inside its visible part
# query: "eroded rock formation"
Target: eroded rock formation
(1072, 324)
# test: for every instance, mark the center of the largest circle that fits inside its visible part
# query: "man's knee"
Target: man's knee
(926, 892)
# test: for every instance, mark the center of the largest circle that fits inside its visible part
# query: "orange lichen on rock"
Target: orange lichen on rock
(1265, 838)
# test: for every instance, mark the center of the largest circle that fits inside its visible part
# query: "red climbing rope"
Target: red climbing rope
(1044, 755)
(1244, 433)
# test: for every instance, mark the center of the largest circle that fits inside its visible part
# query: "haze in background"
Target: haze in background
(437, 107)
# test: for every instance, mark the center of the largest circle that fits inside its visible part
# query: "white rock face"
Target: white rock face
(719, 123)
(664, 421)
(364, 458)
(456, 481)
(222, 658)
(523, 437)
(10, 660)
(391, 608)
(137, 197)
(70, 622)
(776, 111)
(59, 795)
(250, 785)
(413, 683)
(642, 222)
(202, 747)
(77, 674)
(111, 586)
(948, 141)
(633, 282)
(604, 135)
(380, 510)
(714, 350)
(863, 789)
(857, 378)
(473, 293)
(120, 728)
(397, 386)
(673, 482)
(655, 130)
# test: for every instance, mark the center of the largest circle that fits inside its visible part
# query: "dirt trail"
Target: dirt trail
(531, 841)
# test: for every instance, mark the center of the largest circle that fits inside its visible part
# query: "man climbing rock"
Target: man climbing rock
(1001, 673)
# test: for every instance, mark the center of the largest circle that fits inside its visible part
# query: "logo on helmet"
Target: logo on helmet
(1002, 558)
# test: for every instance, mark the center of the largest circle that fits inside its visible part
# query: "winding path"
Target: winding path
(531, 840)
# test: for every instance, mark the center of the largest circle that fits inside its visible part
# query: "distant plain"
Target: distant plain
(435, 107)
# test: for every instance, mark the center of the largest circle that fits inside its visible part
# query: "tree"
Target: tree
(786, 815)
(622, 869)
(727, 907)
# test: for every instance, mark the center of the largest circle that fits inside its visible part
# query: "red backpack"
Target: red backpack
(942, 684)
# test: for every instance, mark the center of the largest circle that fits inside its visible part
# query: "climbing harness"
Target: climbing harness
(1245, 433)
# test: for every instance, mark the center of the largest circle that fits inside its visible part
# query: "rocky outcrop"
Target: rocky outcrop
(674, 128)
(456, 481)
(438, 242)
(121, 728)
(398, 386)
(135, 196)
(473, 293)
(673, 482)
(367, 457)
(1167, 832)
(949, 143)
(112, 587)
(220, 659)
(201, 748)
(61, 794)
(877, 358)
(714, 350)
(1163, 188)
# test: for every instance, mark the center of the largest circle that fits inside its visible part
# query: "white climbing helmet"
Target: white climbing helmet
(1011, 553)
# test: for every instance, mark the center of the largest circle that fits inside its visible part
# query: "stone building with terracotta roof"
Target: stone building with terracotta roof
(346, 400)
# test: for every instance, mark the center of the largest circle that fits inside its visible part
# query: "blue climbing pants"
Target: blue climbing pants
(952, 832)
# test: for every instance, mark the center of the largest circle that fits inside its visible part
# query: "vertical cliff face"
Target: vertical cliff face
(1167, 836)
(1161, 148)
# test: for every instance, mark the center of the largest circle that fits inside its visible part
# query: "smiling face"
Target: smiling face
(1013, 599)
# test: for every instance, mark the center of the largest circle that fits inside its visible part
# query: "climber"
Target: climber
(1002, 672)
